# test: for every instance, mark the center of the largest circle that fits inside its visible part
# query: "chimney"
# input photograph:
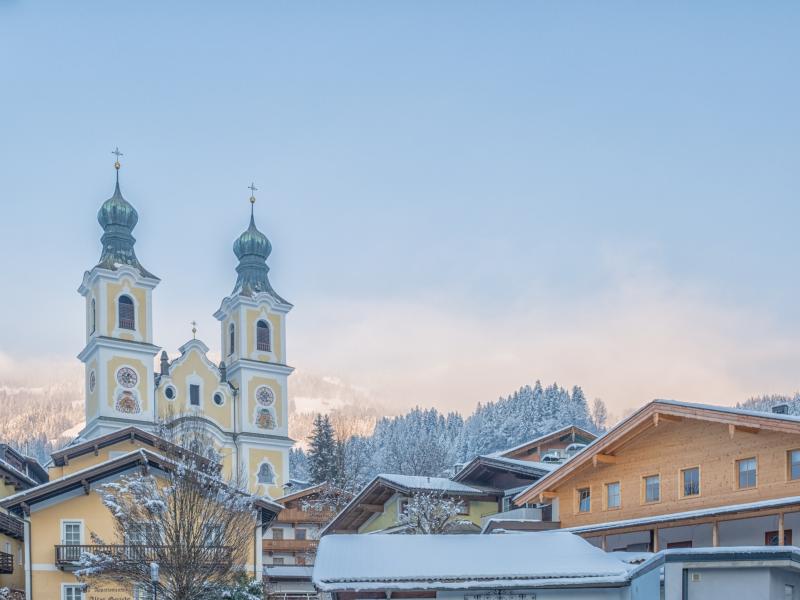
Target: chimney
(781, 409)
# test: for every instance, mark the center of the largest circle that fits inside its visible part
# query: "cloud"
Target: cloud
(640, 337)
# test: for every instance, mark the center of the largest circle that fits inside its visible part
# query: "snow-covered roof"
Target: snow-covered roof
(382, 562)
(288, 571)
(557, 432)
(419, 482)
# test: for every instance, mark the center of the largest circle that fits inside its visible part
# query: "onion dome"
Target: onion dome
(252, 248)
(118, 217)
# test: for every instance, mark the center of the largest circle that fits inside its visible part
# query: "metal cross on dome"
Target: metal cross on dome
(194, 330)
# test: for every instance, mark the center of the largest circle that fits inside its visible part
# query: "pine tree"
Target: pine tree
(323, 454)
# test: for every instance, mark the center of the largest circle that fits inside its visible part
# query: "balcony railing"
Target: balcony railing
(6, 563)
(296, 515)
(10, 526)
(290, 545)
(69, 556)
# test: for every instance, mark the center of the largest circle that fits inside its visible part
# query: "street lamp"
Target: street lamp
(154, 579)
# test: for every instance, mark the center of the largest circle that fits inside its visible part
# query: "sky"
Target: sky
(462, 197)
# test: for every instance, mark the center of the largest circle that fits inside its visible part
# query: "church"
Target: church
(241, 402)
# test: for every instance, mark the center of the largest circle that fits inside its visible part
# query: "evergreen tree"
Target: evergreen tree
(323, 454)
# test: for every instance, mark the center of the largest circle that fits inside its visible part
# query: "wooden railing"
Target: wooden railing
(11, 526)
(6, 563)
(290, 545)
(295, 515)
(70, 555)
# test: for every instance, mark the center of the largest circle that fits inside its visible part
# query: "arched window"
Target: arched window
(262, 336)
(127, 314)
(231, 338)
(265, 475)
(93, 317)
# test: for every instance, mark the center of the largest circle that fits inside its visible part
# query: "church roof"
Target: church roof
(118, 217)
(252, 248)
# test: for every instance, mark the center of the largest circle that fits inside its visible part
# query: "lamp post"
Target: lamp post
(154, 579)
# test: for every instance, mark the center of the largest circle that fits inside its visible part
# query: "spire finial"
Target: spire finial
(194, 330)
(117, 153)
(253, 189)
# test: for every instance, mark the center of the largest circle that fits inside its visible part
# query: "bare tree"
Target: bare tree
(432, 512)
(197, 526)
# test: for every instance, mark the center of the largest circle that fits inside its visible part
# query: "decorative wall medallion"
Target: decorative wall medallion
(127, 403)
(266, 474)
(264, 418)
(219, 399)
(127, 377)
(92, 381)
(265, 396)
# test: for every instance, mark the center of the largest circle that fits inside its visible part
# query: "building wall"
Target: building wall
(390, 515)
(666, 450)
(15, 548)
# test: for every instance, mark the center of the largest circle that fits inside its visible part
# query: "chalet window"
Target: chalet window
(127, 315)
(277, 534)
(262, 336)
(612, 495)
(231, 339)
(194, 394)
(794, 464)
(507, 504)
(72, 592)
(584, 500)
(652, 488)
(691, 481)
(300, 534)
(71, 533)
(747, 471)
(278, 560)
(771, 538)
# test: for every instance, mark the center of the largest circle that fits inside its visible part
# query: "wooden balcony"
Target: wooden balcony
(295, 515)
(290, 545)
(69, 556)
(6, 563)
(11, 526)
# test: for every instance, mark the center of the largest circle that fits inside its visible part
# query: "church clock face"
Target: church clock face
(265, 396)
(127, 377)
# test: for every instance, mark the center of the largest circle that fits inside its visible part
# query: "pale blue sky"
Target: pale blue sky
(461, 196)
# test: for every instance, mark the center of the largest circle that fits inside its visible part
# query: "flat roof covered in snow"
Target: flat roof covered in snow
(379, 562)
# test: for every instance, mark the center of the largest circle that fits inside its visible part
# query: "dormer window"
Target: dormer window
(231, 339)
(127, 314)
(262, 337)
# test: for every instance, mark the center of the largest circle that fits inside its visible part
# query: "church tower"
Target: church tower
(253, 342)
(119, 351)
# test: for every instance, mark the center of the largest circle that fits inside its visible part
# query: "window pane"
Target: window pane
(72, 533)
(691, 482)
(613, 495)
(194, 394)
(652, 488)
(747, 473)
(300, 534)
(262, 336)
(794, 457)
(584, 500)
(127, 319)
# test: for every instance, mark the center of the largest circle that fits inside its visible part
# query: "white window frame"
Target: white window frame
(65, 587)
(65, 522)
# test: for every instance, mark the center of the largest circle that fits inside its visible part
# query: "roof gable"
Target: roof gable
(604, 448)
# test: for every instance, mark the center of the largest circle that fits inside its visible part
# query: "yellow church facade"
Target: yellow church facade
(135, 392)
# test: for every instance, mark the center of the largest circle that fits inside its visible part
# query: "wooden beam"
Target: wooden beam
(605, 459)
(547, 496)
(604, 544)
(86, 487)
(654, 534)
(671, 418)
(780, 529)
(715, 534)
(655, 419)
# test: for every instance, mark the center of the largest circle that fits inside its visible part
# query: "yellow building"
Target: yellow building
(242, 403)
(380, 505)
(61, 516)
(17, 473)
